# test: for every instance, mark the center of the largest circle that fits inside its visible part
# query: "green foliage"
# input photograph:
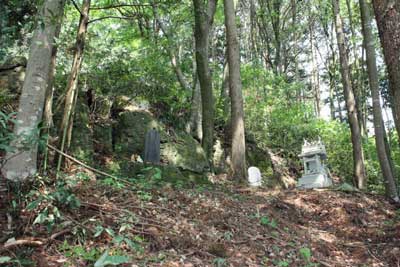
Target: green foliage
(305, 253)
(5, 259)
(6, 135)
(265, 221)
(106, 260)
(220, 262)
(48, 202)
(79, 252)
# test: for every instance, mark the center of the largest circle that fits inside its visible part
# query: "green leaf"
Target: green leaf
(5, 259)
(41, 218)
(305, 253)
(33, 205)
(99, 230)
(105, 260)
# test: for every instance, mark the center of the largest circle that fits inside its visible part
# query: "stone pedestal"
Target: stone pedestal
(316, 175)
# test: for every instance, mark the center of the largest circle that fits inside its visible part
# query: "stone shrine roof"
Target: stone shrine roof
(313, 148)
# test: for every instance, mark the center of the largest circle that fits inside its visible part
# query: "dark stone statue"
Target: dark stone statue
(152, 147)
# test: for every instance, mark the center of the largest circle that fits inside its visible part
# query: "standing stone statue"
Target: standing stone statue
(152, 147)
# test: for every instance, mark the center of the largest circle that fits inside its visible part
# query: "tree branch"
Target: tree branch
(76, 6)
(121, 5)
(111, 17)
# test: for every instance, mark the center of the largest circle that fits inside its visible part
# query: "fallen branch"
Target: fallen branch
(22, 242)
(87, 166)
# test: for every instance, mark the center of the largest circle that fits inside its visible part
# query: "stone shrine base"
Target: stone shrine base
(318, 180)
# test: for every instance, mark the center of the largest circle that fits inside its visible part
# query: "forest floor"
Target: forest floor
(205, 226)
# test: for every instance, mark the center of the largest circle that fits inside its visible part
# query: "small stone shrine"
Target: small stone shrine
(152, 147)
(254, 176)
(316, 175)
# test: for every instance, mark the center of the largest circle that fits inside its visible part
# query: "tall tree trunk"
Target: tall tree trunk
(23, 161)
(203, 20)
(48, 103)
(315, 72)
(235, 85)
(355, 71)
(358, 157)
(72, 83)
(196, 112)
(387, 14)
(379, 127)
(194, 125)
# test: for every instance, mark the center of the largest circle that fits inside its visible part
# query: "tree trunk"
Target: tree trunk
(355, 71)
(48, 103)
(358, 157)
(387, 14)
(23, 161)
(235, 85)
(379, 127)
(196, 112)
(172, 54)
(315, 72)
(71, 88)
(194, 124)
(203, 20)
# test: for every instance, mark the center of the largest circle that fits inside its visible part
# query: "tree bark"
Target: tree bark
(358, 156)
(194, 125)
(235, 85)
(23, 161)
(355, 71)
(203, 20)
(71, 88)
(387, 14)
(379, 127)
(48, 103)
(172, 54)
(315, 72)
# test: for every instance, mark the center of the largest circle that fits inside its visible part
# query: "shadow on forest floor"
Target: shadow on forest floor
(205, 226)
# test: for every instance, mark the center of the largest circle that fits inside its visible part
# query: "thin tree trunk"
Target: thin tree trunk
(331, 95)
(203, 20)
(358, 157)
(48, 103)
(387, 14)
(294, 26)
(315, 72)
(196, 113)
(172, 54)
(355, 71)
(225, 95)
(384, 161)
(235, 85)
(72, 83)
(22, 162)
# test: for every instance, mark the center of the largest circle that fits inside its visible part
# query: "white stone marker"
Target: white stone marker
(254, 176)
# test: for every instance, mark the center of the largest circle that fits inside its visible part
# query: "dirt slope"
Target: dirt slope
(163, 226)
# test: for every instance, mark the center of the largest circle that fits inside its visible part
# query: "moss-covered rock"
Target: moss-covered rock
(82, 135)
(259, 158)
(177, 148)
(102, 134)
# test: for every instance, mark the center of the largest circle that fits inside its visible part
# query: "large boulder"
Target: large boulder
(177, 148)
(82, 134)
